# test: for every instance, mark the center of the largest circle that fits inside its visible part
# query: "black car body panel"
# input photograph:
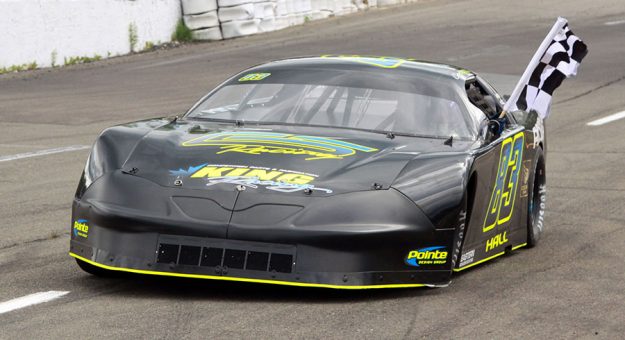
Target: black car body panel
(305, 205)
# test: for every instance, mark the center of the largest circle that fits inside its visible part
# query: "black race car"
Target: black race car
(335, 171)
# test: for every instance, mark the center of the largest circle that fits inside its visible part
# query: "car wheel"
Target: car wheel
(93, 270)
(537, 200)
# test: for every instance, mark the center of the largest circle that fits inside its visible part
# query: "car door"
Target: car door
(497, 166)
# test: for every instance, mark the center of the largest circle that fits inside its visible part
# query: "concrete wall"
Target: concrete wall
(49, 32)
(223, 19)
(32, 30)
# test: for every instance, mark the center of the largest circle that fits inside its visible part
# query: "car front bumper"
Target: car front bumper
(365, 248)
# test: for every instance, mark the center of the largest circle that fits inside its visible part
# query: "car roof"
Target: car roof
(403, 66)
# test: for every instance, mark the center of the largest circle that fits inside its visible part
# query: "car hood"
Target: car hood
(283, 159)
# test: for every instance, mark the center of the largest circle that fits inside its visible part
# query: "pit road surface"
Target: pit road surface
(571, 285)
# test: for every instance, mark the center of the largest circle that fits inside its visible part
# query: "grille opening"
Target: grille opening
(234, 258)
(215, 253)
(167, 253)
(257, 260)
(190, 255)
(282, 263)
(211, 257)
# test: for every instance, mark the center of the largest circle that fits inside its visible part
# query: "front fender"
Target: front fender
(112, 148)
(437, 183)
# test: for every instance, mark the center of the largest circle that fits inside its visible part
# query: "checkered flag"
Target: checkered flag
(558, 58)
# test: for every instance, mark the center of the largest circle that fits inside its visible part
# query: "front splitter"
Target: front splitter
(241, 279)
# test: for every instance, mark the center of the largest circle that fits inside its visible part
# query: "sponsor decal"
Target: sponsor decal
(542, 191)
(254, 182)
(81, 228)
(502, 198)
(384, 62)
(257, 143)
(254, 76)
(467, 258)
(496, 241)
(281, 180)
(525, 177)
(462, 74)
(539, 131)
(426, 256)
(461, 227)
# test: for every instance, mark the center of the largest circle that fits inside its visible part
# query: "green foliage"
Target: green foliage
(53, 57)
(133, 37)
(80, 60)
(148, 46)
(182, 32)
(17, 68)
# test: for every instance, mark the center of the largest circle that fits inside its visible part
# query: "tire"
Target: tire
(93, 270)
(537, 200)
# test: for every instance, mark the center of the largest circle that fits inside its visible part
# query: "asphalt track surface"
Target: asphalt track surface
(571, 285)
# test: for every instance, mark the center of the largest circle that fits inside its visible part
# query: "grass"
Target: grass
(182, 32)
(80, 60)
(17, 68)
(133, 37)
(148, 46)
(53, 56)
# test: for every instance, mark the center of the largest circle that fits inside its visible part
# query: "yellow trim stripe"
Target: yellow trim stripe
(519, 246)
(240, 279)
(489, 258)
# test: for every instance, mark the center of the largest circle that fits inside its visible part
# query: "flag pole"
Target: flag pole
(533, 63)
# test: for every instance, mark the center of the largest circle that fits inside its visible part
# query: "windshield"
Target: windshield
(358, 100)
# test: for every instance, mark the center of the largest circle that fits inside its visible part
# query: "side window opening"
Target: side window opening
(483, 100)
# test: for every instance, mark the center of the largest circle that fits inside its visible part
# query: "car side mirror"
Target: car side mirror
(490, 131)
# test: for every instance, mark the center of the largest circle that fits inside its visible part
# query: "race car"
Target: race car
(337, 171)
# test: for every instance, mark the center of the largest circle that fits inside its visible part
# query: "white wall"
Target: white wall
(35, 30)
(223, 19)
(30, 30)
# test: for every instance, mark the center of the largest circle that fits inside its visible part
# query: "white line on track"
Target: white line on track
(612, 23)
(42, 152)
(607, 119)
(30, 300)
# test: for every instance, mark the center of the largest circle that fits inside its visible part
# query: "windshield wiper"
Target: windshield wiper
(236, 122)
(388, 134)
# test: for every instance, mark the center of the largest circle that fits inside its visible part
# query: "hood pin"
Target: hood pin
(178, 182)
(240, 187)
